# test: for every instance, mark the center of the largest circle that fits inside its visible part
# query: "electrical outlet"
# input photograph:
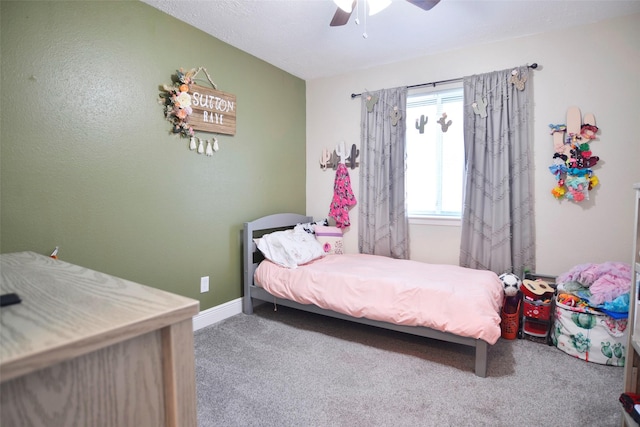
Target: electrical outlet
(204, 284)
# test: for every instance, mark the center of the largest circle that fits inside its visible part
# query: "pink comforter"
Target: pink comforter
(447, 298)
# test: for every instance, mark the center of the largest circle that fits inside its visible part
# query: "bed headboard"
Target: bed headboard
(255, 229)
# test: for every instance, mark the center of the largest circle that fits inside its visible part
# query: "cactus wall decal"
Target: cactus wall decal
(444, 124)
(335, 159)
(351, 160)
(331, 159)
(371, 101)
(423, 121)
(480, 107)
(325, 157)
(395, 116)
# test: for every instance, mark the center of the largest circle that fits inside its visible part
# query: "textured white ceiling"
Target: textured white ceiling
(295, 35)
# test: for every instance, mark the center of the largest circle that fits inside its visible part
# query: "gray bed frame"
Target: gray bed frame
(253, 293)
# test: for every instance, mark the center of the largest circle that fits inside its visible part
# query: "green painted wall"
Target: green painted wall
(87, 162)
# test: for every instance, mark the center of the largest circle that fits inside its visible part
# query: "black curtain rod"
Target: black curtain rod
(355, 95)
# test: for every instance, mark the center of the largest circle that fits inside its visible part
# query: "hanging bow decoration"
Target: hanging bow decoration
(572, 159)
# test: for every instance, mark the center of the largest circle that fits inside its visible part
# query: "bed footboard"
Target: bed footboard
(481, 347)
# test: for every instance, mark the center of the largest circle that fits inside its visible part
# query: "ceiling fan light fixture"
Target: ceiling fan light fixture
(346, 5)
(376, 6)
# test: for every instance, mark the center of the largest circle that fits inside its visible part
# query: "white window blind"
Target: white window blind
(435, 158)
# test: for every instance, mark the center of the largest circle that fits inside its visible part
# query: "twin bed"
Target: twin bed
(443, 302)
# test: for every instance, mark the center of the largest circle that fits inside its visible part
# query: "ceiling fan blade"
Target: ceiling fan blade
(424, 4)
(341, 17)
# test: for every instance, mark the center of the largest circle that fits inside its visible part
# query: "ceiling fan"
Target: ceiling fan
(345, 8)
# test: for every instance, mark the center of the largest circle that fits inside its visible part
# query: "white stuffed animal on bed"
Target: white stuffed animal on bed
(511, 284)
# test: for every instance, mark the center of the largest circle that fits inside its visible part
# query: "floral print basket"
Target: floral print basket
(589, 335)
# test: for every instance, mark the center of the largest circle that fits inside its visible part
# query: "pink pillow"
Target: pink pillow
(330, 238)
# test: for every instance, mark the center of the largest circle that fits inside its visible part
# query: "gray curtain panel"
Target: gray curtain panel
(498, 212)
(383, 224)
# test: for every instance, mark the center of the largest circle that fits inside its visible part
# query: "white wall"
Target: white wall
(594, 67)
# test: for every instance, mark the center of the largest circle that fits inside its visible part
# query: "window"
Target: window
(435, 159)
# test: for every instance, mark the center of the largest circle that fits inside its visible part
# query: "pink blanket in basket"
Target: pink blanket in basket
(448, 298)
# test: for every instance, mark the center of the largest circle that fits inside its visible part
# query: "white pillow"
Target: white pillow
(290, 248)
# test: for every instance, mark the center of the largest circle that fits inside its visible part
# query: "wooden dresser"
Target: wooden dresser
(87, 349)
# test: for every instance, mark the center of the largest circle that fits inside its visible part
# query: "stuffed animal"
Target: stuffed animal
(511, 283)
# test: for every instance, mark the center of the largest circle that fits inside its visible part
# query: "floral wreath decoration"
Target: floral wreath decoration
(177, 109)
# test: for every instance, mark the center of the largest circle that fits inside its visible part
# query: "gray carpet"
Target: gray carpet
(290, 368)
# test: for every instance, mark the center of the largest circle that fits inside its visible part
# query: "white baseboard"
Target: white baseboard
(216, 314)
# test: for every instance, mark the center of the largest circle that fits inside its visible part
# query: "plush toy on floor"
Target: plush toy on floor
(511, 284)
(509, 317)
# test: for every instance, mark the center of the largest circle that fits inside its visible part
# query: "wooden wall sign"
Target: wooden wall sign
(212, 110)
(190, 107)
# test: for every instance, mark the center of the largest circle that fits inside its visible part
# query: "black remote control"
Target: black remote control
(9, 299)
